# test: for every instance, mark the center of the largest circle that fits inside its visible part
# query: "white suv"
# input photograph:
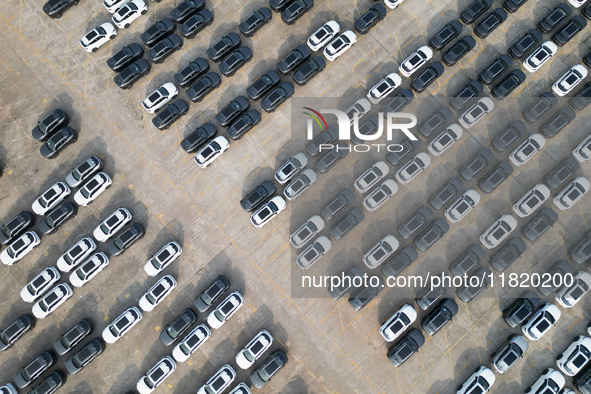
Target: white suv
(132, 10)
(225, 310)
(111, 225)
(498, 231)
(415, 61)
(413, 168)
(19, 248)
(575, 357)
(254, 349)
(541, 322)
(159, 97)
(97, 37)
(572, 193)
(50, 198)
(323, 35)
(569, 80)
(339, 45)
(52, 300)
(92, 189)
(264, 214)
(531, 200)
(383, 88)
(398, 323)
(121, 325)
(527, 149)
(540, 56)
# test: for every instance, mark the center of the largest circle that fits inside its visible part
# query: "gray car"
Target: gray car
(342, 201)
(448, 191)
(428, 296)
(522, 308)
(13, 332)
(291, 167)
(347, 282)
(400, 261)
(405, 347)
(439, 316)
(431, 234)
(84, 356)
(509, 136)
(49, 385)
(495, 177)
(326, 137)
(477, 164)
(435, 122)
(407, 146)
(470, 258)
(365, 295)
(508, 254)
(300, 184)
(34, 369)
(580, 253)
(83, 171)
(507, 355)
(334, 155)
(348, 223)
(307, 231)
(206, 299)
(468, 293)
(539, 224)
(269, 368)
(74, 336)
(313, 252)
(177, 327)
(563, 171)
(415, 222)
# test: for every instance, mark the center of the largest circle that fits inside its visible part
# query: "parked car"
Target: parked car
(157, 293)
(439, 316)
(339, 45)
(415, 61)
(60, 214)
(479, 382)
(309, 70)
(433, 233)
(363, 296)
(378, 196)
(15, 226)
(156, 375)
(562, 172)
(52, 300)
(263, 85)
(219, 382)
(50, 384)
(198, 137)
(19, 248)
(462, 206)
(435, 122)
(290, 168)
(554, 18)
(413, 168)
(73, 336)
(334, 155)
(475, 10)
(196, 23)
(384, 87)
(400, 100)
(531, 200)
(415, 222)
(323, 35)
(582, 98)
(398, 323)
(110, 226)
(255, 21)
(525, 44)
(508, 84)
(407, 146)
(402, 350)
(445, 193)
(243, 124)
(132, 73)
(254, 349)
(225, 310)
(313, 252)
(541, 322)
(159, 97)
(170, 114)
(427, 77)
(473, 167)
(122, 324)
(392, 4)
(224, 46)
(446, 35)
(527, 149)
(476, 112)
(89, 269)
(51, 123)
(575, 357)
(522, 308)
(569, 80)
(427, 296)
(490, 23)
(349, 275)
(235, 60)
(300, 184)
(569, 31)
(583, 381)
(465, 95)
(129, 12)
(560, 268)
(470, 258)
(163, 258)
(255, 198)
(84, 356)
(231, 111)
(124, 240)
(97, 37)
(34, 369)
(569, 296)
(83, 171)
(371, 176)
(509, 136)
(458, 50)
(269, 368)
(56, 8)
(92, 189)
(508, 254)
(498, 231)
(582, 152)
(493, 179)
(572, 193)
(295, 10)
(581, 251)
(40, 284)
(164, 48)
(209, 296)
(380, 252)
(557, 122)
(205, 85)
(470, 290)
(540, 107)
(370, 18)
(15, 331)
(211, 151)
(550, 381)
(445, 139)
(185, 348)
(276, 97)
(58, 142)
(157, 31)
(190, 73)
(338, 204)
(345, 225)
(186, 9)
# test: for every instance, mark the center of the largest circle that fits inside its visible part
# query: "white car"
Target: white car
(575, 357)
(83, 171)
(577, 3)
(157, 293)
(413, 168)
(214, 148)
(531, 200)
(50, 198)
(479, 382)
(156, 375)
(381, 251)
(92, 189)
(191, 343)
(378, 196)
(540, 56)
(358, 109)
(476, 112)
(307, 231)
(300, 184)
(313, 252)
(339, 45)
(126, 14)
(551, 382)
(398, 322)
(383, 88)
(582, 152)
(323, 35)
(498, 231)
(242, 388)
(445, 139)
(113, 5)
(40, 284)
(569, 80)
(111, 225)
(572, 193)
(527, 149)
(254, 349)
(415, 61)
(121, 325)
(89, 269)
(568, 296)
(371, 176)
(462, 206)
(219, 382)
(541, 321)
(19, 248)
(291, 167)
(159, 97)
(169, 253)
(52, 300)
(225, 310)
(76, 254)
(98, 36)
(393, 3)
(268, 211)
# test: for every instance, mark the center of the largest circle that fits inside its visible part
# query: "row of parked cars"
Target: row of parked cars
(54, 132)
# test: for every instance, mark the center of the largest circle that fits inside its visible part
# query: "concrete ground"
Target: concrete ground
(331, 348)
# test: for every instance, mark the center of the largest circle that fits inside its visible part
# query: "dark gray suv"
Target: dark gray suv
(348, 223)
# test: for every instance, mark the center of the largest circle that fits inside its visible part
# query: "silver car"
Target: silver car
(381, 251)
(380, 195)
(290, 168)
(314, 252)
(307, 231)
(300, 184)
(84, 171)
(372, 176)
(508, 354)
(348, 223)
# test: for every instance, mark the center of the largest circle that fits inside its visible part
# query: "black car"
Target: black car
(191, 72)
(513, 5)
(508, 84)
(279, 5)
(158, 30)
(197, 138)
(15, 331)
(124, 240)
(400, 261)
(495, 177)
(580, 252)
(446, 35)
(337, 292)
(446, 192)
(21, 222)
(565, 169)
(208, 83)
(164, 48)
(407, 147)
(74, 336)
(571, 29)
(490, 23)
(235, 61)
(353, 218)
(557, 122)
(244, 124)
(231, 111)
(206, 299)
(495, 69)
(539, 224)
(186, 9)
(58, 142)
(177, 327)
(582, 98)
(458, 50)
(540, 106)
(509, 136)
(34, 369)
(293, 59)
(84, 356)
(365, 295)
(418, 219)
(470, 258)
(126, 78)
(368, 127)
(370, 18)
(263, 85)
(435, 122)
(471, 289)
(196, 23)
(170, 114)
(255, 198)
(462, 98)
(477, 164)
(525, 44)
(224, 46)
(427, 77)
(475, 10)
(522, 308)
(508, 254)
(295, 10)
(439, 316)
(405, 347)
(309, 70)
(554, 18)
(56, 8)
(50, 384)
(57, 217)
(433, 233)
(332, 157)
(125, 56)
(47, 126)
(255, 21)
(277, 96)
